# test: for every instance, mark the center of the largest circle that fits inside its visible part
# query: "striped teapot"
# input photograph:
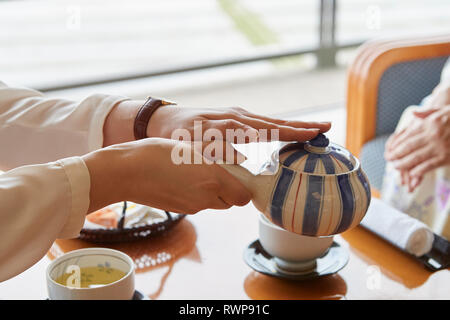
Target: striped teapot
(317, 188)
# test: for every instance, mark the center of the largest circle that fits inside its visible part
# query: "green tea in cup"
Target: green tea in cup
(91, 274)
(90, 277)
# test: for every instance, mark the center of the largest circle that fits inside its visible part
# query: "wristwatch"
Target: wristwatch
(145, 113)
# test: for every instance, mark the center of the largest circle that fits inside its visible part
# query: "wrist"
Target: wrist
(106, 182)
(146, 125)
(119, 123)
(155, 123)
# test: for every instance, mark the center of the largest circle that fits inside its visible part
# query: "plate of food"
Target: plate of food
(127, 221)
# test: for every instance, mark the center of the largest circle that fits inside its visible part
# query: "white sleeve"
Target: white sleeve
(38, 204)
(36, 129)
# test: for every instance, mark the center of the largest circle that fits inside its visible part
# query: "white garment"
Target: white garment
(42, 202)
(430, 201)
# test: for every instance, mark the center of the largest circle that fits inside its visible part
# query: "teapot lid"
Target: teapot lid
(317, 156)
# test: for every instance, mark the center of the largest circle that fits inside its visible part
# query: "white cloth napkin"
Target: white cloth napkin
(398, 228)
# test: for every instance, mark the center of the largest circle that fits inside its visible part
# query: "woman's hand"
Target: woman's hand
(118, 126)
(145, 172)
(167, 119)
(421, 147)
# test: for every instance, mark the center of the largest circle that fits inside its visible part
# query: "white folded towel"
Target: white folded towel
(398, 228)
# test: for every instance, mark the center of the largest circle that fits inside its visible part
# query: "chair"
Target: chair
(386, 77)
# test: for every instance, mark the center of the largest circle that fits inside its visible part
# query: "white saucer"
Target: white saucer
(329, 263)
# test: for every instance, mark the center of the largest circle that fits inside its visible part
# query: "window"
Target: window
(52, 42)
(49, 44)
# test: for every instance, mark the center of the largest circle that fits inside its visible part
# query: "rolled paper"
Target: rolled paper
(398, 228)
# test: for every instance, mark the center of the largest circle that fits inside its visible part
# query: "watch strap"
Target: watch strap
(144, 114)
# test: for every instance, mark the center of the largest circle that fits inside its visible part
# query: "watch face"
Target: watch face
(163, 102)
(166, 102)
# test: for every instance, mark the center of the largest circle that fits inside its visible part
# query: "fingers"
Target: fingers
(397, 139)
(219, 152)
(212, 202)
(392, 138)
(407, 147)
(410, 182)
(286, 132)
(413, 159)
(219, 204)
(199, 152)
(227, 192)
(401, 138)
(416, 127)
(230, 130)
(252, 131)
(403, 175)
(406, 178)
(426, 166)
(414, 183)
(424, 113)
(235, 198)
(232, 191)
(322, 126)
(290, 130)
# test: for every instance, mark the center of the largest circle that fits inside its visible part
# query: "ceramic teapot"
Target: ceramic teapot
(317, 188)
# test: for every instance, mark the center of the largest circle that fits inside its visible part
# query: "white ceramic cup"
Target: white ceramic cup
(292, 252)
(122, 289)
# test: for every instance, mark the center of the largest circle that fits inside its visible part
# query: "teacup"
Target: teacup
(72, 262)
(291, 252)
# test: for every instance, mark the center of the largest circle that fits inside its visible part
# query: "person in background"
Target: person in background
(417, 177)
(67, 159)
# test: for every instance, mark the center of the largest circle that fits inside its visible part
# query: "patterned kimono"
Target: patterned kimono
(430, 201)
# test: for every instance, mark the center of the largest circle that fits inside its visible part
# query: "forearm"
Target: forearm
(38, 129)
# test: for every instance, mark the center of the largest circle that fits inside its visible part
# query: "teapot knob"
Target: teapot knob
(320, 141)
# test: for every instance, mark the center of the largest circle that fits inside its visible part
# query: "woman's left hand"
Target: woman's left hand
(166, 120)
(422, 146)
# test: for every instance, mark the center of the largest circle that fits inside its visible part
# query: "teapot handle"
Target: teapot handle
(240, 173)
